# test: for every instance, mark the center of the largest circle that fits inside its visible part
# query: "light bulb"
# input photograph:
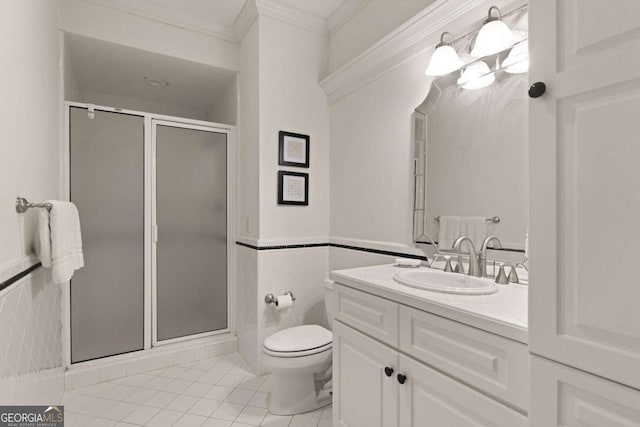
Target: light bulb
(494, 36)
(476, 76)
(445, 59)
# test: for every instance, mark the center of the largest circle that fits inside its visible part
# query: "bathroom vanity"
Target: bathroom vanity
(409, 357)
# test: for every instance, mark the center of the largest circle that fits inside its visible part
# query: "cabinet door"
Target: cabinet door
(584, 175)
(567, 397)
(363, 395)
(431, 399)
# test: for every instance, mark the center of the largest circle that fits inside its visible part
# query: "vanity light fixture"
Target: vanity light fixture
(476, 76)
(445, 59)
(494, 36)
(518, 59)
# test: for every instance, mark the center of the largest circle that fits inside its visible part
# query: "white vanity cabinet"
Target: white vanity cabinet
(584, 207)
(397, 366)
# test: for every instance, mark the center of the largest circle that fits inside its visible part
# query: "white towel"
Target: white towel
(59, 241)
(448, 231)
(475, 228)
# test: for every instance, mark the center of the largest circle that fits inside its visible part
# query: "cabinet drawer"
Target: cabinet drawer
(376, 317)
(567, 397)
(494, 364)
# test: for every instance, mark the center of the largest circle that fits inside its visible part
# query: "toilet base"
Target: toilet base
(295, 394)
(297, 383)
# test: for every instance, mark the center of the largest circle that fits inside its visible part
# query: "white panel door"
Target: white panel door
(567, 397)
(431, 399)
(585, 182)
(363, 393)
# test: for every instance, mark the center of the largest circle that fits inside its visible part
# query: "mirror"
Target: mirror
(471, 159)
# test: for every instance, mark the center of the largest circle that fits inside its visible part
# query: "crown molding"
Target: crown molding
(280, 11)
(344, 13)
(223, 32)
(415, 36)
(299, 18)
(247, 17)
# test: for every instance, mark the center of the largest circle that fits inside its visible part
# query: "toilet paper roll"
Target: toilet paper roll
(283, 301)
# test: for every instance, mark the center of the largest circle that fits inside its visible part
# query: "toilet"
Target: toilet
(299, 360)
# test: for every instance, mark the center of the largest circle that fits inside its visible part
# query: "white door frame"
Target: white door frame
(149, 260)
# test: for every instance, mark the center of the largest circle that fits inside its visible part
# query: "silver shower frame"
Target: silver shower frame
(150, 319)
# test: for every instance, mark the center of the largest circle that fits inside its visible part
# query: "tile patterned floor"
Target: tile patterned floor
(217, 392)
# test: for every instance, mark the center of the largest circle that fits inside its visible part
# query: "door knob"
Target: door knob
(402, 378)
(388, 371)
(537, 89)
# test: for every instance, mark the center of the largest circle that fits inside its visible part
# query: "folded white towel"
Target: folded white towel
(59, 241)
(448, 231)
(475, 228)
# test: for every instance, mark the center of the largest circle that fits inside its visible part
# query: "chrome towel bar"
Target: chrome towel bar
(493, 220)
(22, 205)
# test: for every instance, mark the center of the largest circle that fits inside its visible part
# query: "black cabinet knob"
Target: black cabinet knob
(388, 371)
(537, 89)
(402, 378)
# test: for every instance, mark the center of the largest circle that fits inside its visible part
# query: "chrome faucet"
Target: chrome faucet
(483, 253)
(474, 269)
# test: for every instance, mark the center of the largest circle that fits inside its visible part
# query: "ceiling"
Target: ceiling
(215, 17)
(99, 66)
(108, 68)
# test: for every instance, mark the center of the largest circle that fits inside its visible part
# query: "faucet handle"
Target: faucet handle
(459, 266)
(502, 278)
(513, 275)
(447, 265)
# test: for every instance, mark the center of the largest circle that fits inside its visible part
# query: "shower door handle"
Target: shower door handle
(155, 233)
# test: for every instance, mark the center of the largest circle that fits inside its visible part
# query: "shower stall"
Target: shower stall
(154, 195)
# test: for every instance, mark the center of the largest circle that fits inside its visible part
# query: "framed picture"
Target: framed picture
(293, 188)
(294, 149)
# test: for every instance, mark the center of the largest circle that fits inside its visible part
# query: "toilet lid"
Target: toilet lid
(299, 338)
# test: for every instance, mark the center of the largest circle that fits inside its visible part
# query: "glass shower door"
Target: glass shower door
(106, 168)
(191, 230)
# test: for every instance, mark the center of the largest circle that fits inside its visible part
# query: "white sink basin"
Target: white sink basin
(450, 283)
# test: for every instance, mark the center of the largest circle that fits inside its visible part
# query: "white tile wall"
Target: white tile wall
(31, 332)
(245, 307)
(30, 337)
(301, 271)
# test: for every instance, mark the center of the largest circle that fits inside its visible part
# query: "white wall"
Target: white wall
(247, 197)
(249, 135)
(291, 62)
(372, 159)
(28, 168)
(104, 23)
(280, 65)
(374, 21)
(72, 91)
(225, 107)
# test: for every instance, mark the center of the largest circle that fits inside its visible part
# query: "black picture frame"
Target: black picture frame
(284, 159)
(286, 198)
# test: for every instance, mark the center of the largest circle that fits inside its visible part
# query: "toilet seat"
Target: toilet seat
(298, 341)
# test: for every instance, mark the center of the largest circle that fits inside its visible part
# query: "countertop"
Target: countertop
(503, 313)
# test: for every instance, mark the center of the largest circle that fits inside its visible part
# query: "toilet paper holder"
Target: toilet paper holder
(271, 299)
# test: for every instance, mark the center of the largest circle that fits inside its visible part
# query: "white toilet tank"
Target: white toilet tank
(328, 301)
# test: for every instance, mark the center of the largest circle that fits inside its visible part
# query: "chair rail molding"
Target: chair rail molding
(415, 36)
